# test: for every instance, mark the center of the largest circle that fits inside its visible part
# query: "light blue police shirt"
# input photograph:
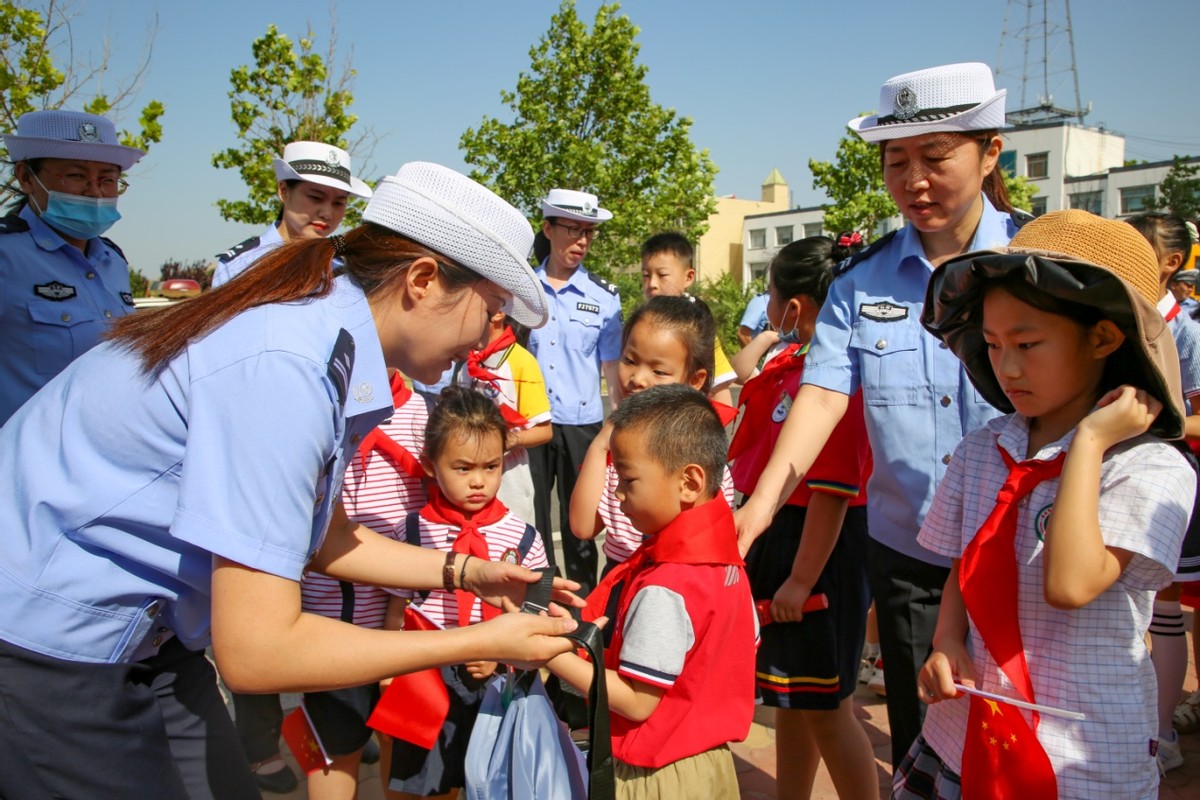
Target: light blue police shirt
(917, 398)
(755, 315)
(584, 330)
(1186, 332)
(55, 303)
(121, 487)
(234, 261)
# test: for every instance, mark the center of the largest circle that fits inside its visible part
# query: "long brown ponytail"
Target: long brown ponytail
(373, 256)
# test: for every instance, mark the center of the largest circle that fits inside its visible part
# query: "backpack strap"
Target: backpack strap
(412, 535)
(601, 778)
(526, 541)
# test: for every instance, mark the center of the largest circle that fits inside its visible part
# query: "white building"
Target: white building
(1072, 166)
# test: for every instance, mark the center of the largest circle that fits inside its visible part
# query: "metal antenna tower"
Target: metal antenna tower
(1039, 31)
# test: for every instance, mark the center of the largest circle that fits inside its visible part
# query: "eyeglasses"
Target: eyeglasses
(78, 183)
(577, 231)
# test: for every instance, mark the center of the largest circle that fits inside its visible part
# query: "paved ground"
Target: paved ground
(756, 757)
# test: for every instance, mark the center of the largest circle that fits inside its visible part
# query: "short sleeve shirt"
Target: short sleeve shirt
(917, 398)
(133, 483)
(755, 315)
(1092, 659)
(55, 304)
(584, 331)
(234, 262)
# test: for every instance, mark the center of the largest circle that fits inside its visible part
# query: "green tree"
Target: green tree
(1179, 192)
(39, 69)
(582, 118)
(853, 182)
(1020, 190)
(287, 96)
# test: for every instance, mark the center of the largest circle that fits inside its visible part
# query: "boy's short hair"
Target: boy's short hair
(680, 427)
(671, 242)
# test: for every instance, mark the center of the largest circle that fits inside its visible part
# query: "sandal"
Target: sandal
(1187, 714)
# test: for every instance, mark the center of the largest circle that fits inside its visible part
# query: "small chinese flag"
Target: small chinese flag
(1002, 757)
(414, 706)
(303, 741)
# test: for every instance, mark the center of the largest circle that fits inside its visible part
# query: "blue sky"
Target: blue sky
(768, 84)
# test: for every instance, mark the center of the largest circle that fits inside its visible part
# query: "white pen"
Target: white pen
(1038, 707)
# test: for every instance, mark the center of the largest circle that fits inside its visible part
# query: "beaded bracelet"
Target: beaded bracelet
(462, 576)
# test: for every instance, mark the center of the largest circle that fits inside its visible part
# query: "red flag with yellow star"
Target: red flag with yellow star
(1002, 757)
(303, 741)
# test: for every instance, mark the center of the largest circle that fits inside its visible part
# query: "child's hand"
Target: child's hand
(481, 670)
(603, 437)
(768, 338)
(935, 681)
(1121, 414)
(788, 603)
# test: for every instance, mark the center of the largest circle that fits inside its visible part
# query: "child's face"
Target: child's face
(1049, 366)
(468, 470)
(650, 495)
(797, 313)
(654, 355)
(664, 273)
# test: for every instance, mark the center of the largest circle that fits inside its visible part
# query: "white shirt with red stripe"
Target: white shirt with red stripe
(503, 539)
(620, 537)
(378, 494)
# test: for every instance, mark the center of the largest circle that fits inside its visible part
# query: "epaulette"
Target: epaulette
(13, 224)
(1019, 217)
(611, 288)
(237, 250)
(862, 255)
(113, 246)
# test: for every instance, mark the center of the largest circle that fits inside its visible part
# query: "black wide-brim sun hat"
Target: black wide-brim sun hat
(1080, 258)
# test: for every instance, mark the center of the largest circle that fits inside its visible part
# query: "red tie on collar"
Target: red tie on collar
(380, 442)
(478, 372)
(704, 534)
(987, 579)
(469, 540)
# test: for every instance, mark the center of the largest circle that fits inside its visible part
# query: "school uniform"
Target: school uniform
(131, 485)
(918, 404)
(55, 303)
(584, 330)
(236, 259)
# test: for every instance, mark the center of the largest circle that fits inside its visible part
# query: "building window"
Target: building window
(758, 239)
(783, 235)
(1091, 202)
(758, 271)
(1133, 199)
(813, 229)
(1037, 165)
(1037, 206)
(1008, 161)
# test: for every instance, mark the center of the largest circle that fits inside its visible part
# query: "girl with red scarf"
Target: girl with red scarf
(808, 664)
(464, 454)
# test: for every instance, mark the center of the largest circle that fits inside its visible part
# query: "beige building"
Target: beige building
(719, 251)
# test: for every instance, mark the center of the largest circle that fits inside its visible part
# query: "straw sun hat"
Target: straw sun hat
(466, 222)
(1078, 257)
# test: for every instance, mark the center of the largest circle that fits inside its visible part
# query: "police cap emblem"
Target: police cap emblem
(88, 132)
(332, 159)
(904, 106)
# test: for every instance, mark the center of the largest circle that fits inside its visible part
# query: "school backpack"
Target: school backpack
(520, 750)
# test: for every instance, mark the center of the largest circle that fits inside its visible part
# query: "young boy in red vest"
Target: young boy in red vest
(680, 670)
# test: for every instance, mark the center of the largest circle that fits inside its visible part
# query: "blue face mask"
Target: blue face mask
(78, 216)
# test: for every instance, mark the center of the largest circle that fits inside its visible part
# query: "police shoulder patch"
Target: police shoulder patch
(862, 255)
(13, 224)
(238, 249)
(611, 288)
(341, 365)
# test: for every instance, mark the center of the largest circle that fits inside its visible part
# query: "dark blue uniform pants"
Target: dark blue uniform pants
(557, 462)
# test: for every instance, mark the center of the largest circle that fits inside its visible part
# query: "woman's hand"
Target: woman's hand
(1121, 414)
(788, 603)
(494, 581)
(526, 641)
(751, 520)
(935, 681)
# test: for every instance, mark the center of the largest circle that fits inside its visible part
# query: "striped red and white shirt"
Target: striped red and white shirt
(379, 494)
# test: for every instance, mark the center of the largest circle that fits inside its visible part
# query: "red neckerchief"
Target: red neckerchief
(724, 412)
(1174, 312)
(479, 372)
(704, 534)
(387, 446)
(469, 540)
(761, 393)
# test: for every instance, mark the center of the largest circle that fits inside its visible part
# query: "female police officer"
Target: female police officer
(173, 483)
(61, 285)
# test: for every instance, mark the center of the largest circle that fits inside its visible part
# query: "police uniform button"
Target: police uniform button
(158, 640)
(943, 345)
(945, 401)
(946, 458)
(66, 317)
(355, 439)
(553, 341)
(108, 313)
(881, 344)
(161, 629)
(551, 366)
(152, 610)
(91, 276)
(318, 501)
